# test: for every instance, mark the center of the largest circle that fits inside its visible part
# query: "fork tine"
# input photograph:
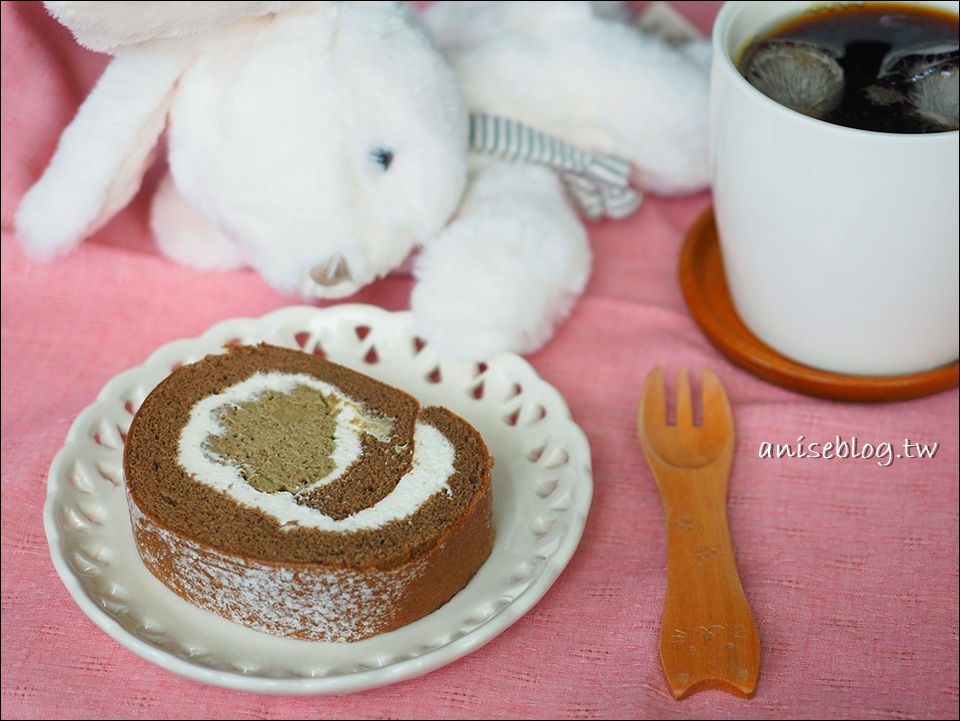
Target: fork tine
(654, 400)
(684, 402)
(716, 404)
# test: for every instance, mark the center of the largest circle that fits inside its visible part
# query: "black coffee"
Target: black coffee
(886, 67)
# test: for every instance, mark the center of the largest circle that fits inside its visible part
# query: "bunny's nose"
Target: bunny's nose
(333, 272)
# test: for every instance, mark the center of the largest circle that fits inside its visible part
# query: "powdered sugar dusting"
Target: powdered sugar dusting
(309, 602)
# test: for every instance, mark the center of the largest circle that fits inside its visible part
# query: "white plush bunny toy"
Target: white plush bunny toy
(324, 143)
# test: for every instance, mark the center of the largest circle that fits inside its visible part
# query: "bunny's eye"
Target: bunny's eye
(383, 157)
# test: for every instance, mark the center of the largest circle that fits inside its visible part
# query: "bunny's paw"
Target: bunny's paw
(498, 282)
(185, 236)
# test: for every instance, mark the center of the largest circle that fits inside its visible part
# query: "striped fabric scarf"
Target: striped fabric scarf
(600, 184)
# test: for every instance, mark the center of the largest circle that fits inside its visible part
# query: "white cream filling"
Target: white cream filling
(432, 459)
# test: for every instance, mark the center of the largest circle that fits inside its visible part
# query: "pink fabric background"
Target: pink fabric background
(851, 568)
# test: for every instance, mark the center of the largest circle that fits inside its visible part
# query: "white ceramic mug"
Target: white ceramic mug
(840, 246)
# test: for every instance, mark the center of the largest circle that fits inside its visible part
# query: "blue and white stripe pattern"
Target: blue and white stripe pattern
(600, 184)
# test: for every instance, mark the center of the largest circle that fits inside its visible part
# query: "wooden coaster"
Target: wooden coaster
(705, 290)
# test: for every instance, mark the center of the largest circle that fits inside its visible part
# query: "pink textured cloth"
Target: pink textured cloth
(851, 568)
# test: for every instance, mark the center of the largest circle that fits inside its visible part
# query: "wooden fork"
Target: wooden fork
(708, 637)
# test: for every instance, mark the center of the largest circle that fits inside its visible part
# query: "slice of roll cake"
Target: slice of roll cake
(301, 498)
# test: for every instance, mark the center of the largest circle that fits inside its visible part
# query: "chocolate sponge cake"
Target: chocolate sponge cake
(302, 498)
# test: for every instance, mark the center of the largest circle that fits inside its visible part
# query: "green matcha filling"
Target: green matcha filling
(278, 441)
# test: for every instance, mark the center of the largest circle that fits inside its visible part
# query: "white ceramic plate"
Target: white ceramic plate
(542, 487)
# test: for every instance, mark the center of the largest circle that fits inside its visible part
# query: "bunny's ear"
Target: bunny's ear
(103, 154)
(118, 26)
